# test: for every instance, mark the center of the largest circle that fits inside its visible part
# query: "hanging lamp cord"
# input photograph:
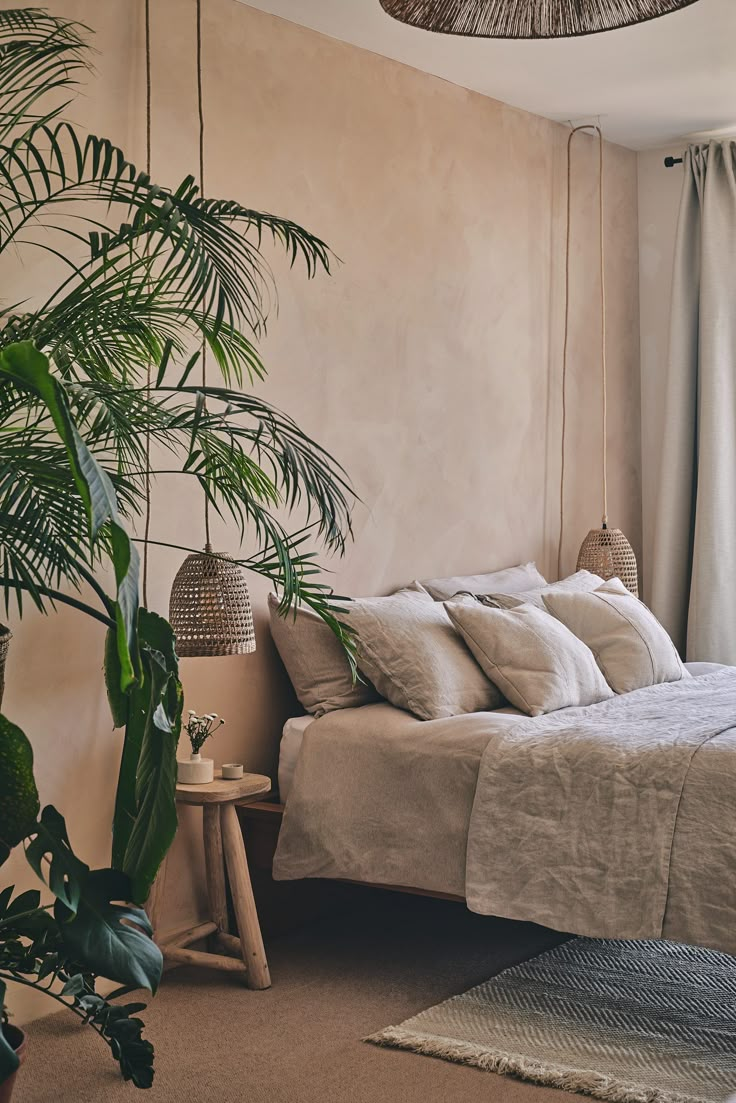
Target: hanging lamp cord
(200, 110)
(566, 340)
(147, 521)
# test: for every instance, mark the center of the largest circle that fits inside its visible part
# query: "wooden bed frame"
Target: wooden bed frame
(282, 905)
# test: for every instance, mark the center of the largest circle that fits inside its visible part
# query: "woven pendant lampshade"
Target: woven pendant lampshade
(607, 552)
(528, 18)
(210, 608)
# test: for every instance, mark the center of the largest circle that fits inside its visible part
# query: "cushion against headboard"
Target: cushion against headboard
(511, 580)
(580, 582)
(407, 646)
(316, 661)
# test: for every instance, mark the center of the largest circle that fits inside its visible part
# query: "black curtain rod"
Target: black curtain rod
(670, 162)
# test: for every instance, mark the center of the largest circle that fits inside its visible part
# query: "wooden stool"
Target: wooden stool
(223, 846)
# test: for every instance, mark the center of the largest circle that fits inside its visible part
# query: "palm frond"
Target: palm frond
(39, 54)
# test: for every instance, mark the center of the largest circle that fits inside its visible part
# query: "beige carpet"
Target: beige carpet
(333, 983)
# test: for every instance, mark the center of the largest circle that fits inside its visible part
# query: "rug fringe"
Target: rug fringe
(508, 1064)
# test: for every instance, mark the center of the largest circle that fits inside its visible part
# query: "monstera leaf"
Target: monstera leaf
(64, 873)
(109, 936)
(19, 802)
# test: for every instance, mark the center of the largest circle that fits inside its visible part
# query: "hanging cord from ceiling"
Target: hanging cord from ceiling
(565, 348)
(200, 111)
(147, 515)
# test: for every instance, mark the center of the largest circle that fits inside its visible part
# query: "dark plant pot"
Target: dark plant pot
(5, 637)
(18, 1041)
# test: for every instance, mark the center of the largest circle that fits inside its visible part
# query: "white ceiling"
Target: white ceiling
(651, 84)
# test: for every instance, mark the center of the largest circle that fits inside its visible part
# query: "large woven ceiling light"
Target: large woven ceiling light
(528, 18)
(209, 608)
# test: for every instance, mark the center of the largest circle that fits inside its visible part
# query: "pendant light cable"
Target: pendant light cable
(604, 362)
(147, 522)
(566, 340)
(200, 111)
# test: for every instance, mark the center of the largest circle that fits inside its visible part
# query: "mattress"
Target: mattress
(291, 744)
(294, 729)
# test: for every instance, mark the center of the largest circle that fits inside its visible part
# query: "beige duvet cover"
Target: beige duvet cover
(613, 821)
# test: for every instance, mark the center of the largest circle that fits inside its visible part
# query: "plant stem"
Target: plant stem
(36, 986)
(13, 584)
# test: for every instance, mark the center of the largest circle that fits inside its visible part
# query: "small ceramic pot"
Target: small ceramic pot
(16, 1039)
(195, 770)
(232, 771)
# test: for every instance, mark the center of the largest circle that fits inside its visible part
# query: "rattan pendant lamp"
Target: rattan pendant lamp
(209, 608)
(528, 18)
(605, 551)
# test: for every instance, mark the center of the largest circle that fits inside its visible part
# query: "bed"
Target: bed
(614, 820)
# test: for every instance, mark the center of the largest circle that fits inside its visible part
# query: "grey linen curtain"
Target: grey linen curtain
(694, 567)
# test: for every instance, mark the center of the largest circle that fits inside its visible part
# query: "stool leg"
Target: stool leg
(155, 901)
(251, 940)
(215, 867)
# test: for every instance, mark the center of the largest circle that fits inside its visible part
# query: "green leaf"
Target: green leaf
(19, 803)
(118, 701)
(29, 369)
(145, 819)
(110, 938)
(66, 875)
(8, 1057)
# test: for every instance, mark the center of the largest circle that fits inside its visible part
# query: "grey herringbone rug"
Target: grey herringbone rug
(632, 1022)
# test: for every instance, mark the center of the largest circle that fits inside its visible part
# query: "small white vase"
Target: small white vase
(195, 770)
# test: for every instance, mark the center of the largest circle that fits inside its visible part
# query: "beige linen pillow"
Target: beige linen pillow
(512, 580)
(537, 663)
(631, 647)
(316, 662)
(410, 651)
(580, 582)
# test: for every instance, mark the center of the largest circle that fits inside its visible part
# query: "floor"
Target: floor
(300, 1042)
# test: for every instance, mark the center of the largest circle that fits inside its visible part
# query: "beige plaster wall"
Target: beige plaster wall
(429, 364)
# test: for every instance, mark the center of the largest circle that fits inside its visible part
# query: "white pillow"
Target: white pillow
(408, 648)
(631, 647)
(537, 663)
(580, 582)
(511, 580)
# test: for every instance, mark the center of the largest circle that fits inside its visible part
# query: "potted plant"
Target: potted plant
(197, 770)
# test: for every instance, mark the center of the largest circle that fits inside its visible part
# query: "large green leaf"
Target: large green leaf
(145, 807)
(64, 873)
(108, 936)
(29, 369)
(19, 803)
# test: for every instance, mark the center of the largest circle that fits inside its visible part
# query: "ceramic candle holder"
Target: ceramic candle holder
(232, 771)
(195, 770)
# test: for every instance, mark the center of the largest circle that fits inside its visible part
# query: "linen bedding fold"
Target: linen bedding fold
(614, 821)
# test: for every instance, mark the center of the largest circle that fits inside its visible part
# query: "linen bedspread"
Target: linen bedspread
(614, 821)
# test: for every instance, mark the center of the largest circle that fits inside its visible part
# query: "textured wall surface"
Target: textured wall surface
(429, 363)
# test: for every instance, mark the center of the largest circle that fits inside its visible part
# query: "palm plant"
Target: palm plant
(172, 272)
(92, 372)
